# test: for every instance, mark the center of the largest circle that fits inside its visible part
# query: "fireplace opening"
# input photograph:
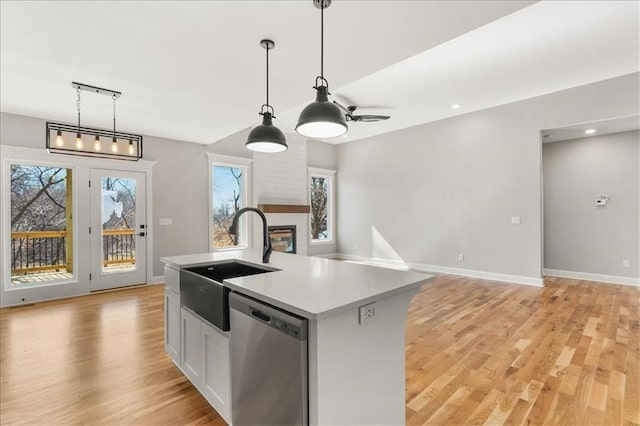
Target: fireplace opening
(283, 238)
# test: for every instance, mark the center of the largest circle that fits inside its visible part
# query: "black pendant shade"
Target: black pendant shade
(266, 137)
(321, 119)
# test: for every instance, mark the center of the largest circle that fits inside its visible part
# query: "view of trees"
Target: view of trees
(319, 192)
(38, 218)
(118, 213)
(122, 191)
(227, 198)
(38, 198)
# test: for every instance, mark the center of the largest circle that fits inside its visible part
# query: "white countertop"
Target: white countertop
(311, 287)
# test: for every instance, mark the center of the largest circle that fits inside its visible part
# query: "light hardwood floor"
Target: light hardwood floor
(477, 353)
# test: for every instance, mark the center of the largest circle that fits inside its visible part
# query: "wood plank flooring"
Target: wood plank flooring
(490, 353)
(478, 352)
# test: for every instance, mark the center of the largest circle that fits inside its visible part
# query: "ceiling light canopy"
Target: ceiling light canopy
(321, 118)
(266, 137)
(455, 106)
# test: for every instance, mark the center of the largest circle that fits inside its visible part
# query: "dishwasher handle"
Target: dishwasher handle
(261, 315)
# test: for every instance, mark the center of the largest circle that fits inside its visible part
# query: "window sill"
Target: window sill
(320, 242)
(230, 248)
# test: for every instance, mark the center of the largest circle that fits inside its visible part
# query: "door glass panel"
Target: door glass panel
(118, 224)
(41, 224)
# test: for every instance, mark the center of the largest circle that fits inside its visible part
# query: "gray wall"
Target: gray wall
(578, 235)
(232, 145)
(180, 186)
(427, 193)
(322, 155)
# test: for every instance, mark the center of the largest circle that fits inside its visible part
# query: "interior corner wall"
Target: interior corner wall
(423, 195)
(580, 236)
(180, 186)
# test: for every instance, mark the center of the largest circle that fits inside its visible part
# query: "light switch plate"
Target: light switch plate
(166, 221)
(515, 220)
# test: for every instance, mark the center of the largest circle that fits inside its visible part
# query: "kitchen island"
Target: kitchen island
(356, 370)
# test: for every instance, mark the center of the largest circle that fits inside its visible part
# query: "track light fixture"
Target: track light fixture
(321, 119)
(134, 151)
(266, 137)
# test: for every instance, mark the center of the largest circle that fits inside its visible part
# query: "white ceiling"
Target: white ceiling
(604, 127)
(194, 70)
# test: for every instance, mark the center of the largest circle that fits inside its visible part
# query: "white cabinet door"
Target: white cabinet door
(172, 324)
(192, 347)
(217, 380)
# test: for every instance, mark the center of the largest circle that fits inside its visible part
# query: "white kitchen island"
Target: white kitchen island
(356, 371)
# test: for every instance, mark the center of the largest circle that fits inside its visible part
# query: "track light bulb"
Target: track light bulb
(96, 144)
(114, 145)
(79, 144)
(59, 140)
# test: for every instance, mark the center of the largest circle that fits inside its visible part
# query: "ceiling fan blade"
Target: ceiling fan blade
(370, 118)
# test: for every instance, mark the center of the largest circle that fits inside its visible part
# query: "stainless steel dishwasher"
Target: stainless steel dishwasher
(268, 364)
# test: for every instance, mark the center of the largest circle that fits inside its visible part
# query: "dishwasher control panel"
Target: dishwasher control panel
(285, 327)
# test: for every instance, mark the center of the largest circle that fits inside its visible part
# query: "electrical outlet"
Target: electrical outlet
(515, 220)
(367, 313)
(461, 257)
(626, 263)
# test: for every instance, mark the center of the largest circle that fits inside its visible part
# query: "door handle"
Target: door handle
(142, 234)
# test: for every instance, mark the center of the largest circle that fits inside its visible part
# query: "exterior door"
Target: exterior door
(118, 229)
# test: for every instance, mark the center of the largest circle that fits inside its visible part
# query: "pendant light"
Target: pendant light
(100, 147)
(321, 119)
(266, 137)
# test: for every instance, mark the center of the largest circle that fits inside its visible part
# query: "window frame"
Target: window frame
(328, 174)
(245, 226)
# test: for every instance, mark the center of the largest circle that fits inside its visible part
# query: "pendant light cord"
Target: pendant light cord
(322, 40)
(78, 90)
(114, 116)
(267, 49)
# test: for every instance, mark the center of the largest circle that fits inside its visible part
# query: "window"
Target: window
(41, 224)
(229, 193)
(321, 199)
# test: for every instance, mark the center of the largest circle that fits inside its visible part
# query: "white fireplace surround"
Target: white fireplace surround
(282, 179)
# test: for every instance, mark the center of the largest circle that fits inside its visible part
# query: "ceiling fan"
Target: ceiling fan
(365, 118)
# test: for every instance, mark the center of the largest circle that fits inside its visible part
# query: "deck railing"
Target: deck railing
(45, 251)
(38, 251)
(118, 246)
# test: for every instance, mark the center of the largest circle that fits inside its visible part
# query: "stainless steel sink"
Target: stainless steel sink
(202, 291)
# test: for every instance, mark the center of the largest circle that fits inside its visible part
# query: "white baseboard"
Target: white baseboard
(398, 264)
(157, 280)
(611, 279)
(328, 255)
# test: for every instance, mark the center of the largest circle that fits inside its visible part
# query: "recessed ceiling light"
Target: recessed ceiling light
(589, 131)
(455, 106)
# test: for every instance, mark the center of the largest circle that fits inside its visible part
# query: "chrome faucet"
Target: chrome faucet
(266, 241)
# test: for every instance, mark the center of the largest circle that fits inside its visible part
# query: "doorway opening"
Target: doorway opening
(591, 201)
